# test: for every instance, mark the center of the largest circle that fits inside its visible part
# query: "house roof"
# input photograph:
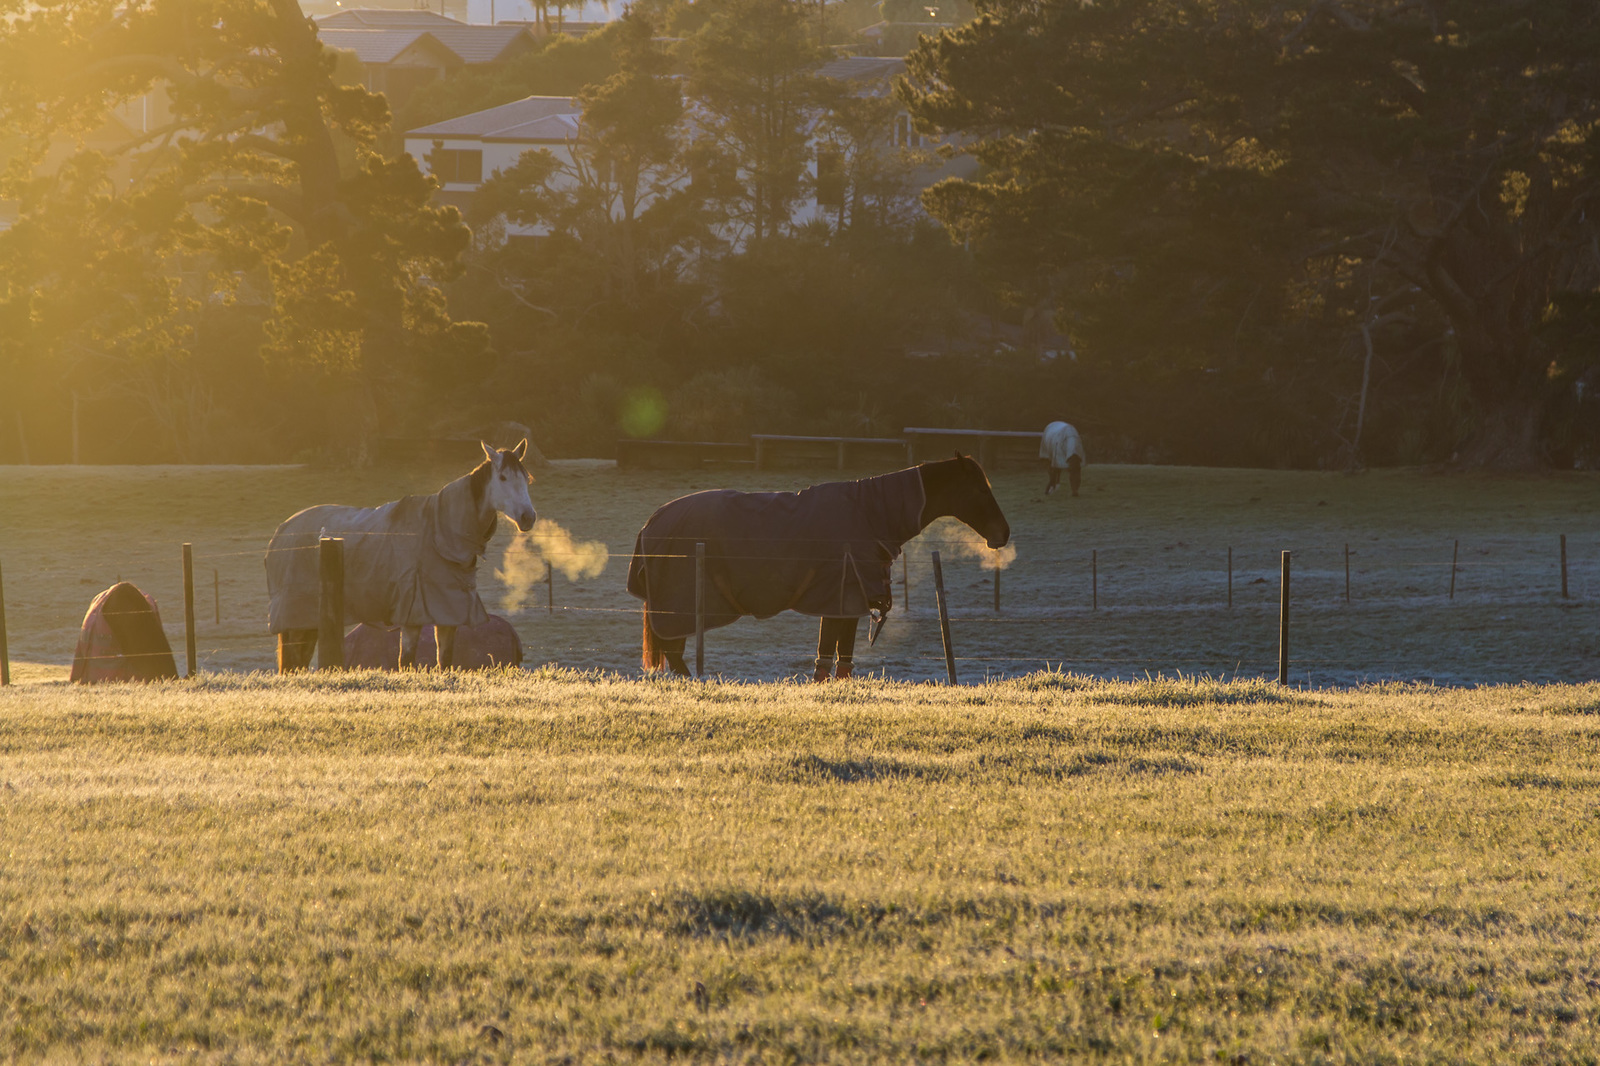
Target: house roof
(534, 118)
(861, 68)
(398, 29)
(382, 46)
(381, 19)
(480, 44)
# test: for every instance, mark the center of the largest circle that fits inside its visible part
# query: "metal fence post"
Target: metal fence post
(330, 620)
(5, 648)
(188, 608)
(944, 620)
(1283, 625)
(700, 609)
(1564, 566)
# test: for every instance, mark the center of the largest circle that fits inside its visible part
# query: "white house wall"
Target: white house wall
(497, 156)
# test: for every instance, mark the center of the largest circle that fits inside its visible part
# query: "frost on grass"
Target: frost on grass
(1183, 691)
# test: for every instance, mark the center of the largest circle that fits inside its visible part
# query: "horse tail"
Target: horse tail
(653, 657)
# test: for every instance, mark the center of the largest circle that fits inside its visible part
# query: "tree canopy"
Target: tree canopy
(1277, 192)
(261, 187)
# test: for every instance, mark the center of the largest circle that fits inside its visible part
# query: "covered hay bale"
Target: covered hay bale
(481, 647)
(122, 640)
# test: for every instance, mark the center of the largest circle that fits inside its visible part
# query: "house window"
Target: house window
(905, 133)
(830, 179)
(461, 166)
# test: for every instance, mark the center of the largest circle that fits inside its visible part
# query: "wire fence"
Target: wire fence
(1485, 608)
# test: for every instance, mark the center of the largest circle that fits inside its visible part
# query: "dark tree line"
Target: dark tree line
(1323, 234)
(1387, 204)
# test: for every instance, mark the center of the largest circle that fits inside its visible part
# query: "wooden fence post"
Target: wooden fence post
(5, 647)
(905, 580)
(550, 589)
(216, 596)
(1283, 625)
(700, 608)
(1454, 555)
(188, 608)
(1564, 566)
(1094, 579)
(330, 619)
(1230, 577)
(1347, 573)
(997, 590)
(944, 620)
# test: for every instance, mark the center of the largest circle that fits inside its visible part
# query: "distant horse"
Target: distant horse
(412, 562)
(825, 551)
(1062, 448)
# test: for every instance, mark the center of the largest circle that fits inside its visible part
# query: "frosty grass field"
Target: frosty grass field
(573, 865)
(1162, 535)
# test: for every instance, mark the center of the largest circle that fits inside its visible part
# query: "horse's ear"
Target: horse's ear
(521, 450)
(488, 452)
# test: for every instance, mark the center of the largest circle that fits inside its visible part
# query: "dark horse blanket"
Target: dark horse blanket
(824, 551)
(495, 643)
(410, 562)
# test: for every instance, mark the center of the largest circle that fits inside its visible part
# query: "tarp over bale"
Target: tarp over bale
(122, 640)
(481, 647)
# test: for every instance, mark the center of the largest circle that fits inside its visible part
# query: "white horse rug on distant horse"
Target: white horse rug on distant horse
(1061, 446)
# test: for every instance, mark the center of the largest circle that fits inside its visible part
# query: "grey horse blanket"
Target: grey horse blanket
(825, 551)
(411, 562)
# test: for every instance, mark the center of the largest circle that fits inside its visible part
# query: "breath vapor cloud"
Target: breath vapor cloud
(547, 542)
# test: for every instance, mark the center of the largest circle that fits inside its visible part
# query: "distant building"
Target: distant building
(398, 52)
(573, 18)
(462, 152)
(874, 77)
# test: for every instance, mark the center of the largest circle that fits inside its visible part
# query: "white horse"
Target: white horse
(412, 562)
(1062, 448)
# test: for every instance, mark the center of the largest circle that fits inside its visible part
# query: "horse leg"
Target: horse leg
(847, 645)
(1074, 473)
(409, 636)
(445, 638)
(673, 650)
(827, 645)
(295, 649)
(1055, 481)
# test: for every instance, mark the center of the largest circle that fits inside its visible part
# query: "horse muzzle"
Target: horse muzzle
(999, 540)
(526, 522)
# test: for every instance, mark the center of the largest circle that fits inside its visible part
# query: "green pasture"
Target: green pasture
(1158, 537)
(554, 867)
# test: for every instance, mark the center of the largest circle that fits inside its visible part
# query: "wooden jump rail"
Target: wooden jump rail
(988, 441)
(767, 443)
(644, 454)
(764, 447)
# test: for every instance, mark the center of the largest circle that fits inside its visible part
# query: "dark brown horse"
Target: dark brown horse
(825, 551)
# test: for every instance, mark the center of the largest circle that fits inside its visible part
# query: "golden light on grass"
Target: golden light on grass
(252, 870)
